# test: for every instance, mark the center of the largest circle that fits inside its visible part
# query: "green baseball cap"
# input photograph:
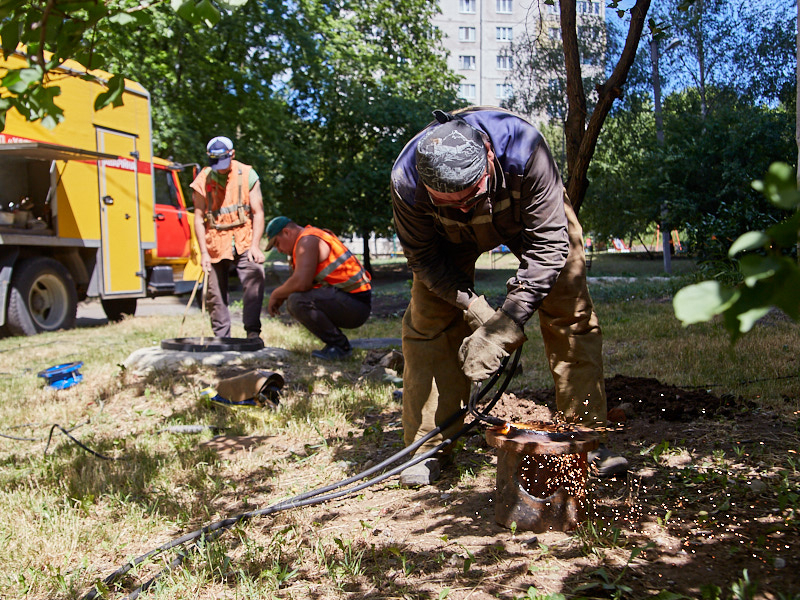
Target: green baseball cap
(274, 227)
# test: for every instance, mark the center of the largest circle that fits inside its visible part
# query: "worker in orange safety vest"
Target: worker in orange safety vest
(229, 223)
(328, 288)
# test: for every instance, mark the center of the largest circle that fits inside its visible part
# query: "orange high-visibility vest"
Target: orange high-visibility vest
(341, 269)
(229, 222)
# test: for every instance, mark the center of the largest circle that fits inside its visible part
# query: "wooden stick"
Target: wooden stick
(191, 299)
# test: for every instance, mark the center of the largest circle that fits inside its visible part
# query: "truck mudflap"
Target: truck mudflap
(8, 256)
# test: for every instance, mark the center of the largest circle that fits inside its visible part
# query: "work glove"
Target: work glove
(478, 312)
(482, 352)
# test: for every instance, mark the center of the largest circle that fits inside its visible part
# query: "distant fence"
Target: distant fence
(379, 247)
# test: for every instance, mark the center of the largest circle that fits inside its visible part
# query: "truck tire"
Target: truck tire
(117, 309)
(42, 297)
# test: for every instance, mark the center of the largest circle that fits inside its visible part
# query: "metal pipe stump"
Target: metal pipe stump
(541, 475)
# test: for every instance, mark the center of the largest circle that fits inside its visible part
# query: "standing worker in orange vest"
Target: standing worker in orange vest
(229, 223)
(328, 288)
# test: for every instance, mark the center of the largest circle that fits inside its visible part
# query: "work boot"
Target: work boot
(330, 353)
(423, 473)
(255, 335)
(604, 463)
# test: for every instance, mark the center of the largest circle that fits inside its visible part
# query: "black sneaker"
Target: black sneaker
(604, 463)
(332, 353)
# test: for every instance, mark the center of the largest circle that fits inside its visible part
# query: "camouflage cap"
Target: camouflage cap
(451, 157)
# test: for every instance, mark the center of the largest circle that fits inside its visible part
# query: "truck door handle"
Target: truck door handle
(159, 217)
(108, 200)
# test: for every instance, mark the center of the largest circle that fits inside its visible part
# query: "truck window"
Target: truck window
(165, 188)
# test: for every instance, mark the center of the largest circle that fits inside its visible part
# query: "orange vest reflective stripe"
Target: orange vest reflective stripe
(341, 269)
(229, 222)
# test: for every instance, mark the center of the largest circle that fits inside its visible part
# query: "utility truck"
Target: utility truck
(86, 211)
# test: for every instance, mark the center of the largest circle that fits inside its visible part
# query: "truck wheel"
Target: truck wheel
(117, 309)
(42, 298)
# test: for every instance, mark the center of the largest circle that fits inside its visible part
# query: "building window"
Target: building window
(504, 62)
(505, 34)
(468, 91)
(503, 91)
(587, 8)
(466, 61)
(505, 6)
(467, 6)
(554, 33)
(466, 34)
(553, 9)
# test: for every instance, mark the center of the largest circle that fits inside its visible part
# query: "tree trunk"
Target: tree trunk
(582, 139)
(367, 263)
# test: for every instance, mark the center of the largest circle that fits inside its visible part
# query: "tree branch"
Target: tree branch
(583, 151)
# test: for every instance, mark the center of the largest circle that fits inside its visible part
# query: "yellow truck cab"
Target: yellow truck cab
(86, 211)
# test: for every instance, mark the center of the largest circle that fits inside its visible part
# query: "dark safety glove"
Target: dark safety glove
(478, 312)
(481, 353)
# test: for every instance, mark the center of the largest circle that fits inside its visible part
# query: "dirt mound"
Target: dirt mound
(643, 397)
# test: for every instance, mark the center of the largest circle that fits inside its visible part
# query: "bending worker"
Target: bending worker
(328, 288)
(229, 223)
(469, 182)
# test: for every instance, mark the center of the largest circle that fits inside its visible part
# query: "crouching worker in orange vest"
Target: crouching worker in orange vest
(328, 288)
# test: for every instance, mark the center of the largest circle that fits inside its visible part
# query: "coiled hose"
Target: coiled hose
(214, 530)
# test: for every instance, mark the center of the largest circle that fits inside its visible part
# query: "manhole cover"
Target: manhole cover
(213, 344)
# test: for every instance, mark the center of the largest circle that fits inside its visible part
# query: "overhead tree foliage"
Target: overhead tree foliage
(382, 74)
(54, 31)
(539, 78)
(703, 171)
(319, 96)
(586, 109)
(730, 44)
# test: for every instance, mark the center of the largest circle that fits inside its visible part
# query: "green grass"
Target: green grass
(69, 517)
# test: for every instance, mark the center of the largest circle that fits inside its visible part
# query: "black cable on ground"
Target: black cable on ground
(40, 439)
(320, 495)
(89, 450)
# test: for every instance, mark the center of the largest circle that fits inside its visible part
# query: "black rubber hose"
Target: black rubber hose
(320, 495)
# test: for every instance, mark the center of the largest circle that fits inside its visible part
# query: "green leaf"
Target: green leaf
(752, 240)
(208, 12)
(702, 301)
(113, 95)
(748, 318)
(186, 10)
(780, 186)
(755, 268)
(5, 104)
(785, 295)
(122, 18)
(786, 234)
(18, 81)
(10, 34)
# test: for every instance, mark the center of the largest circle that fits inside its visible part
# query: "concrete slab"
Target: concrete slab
(146, 360)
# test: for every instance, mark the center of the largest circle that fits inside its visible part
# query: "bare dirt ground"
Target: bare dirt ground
(699, 518)
(708, 497)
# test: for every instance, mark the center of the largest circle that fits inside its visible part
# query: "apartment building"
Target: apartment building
(479, 35)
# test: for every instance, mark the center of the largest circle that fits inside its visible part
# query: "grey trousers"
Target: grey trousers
(251, 275)
(324, 310)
